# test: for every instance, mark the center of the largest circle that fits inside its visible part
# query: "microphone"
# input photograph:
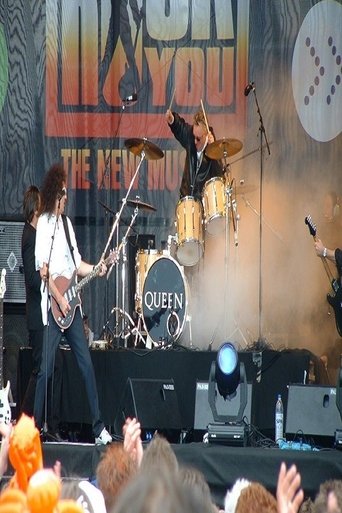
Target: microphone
(130, 99)
(249, 87)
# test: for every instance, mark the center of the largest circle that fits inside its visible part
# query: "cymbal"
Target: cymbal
(223, 148)
(139, 146)
(141, 204)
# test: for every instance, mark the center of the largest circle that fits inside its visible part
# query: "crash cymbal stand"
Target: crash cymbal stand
(232, 217)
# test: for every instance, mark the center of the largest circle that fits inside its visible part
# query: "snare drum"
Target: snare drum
(143, 261)
(189, 231)
(164, 301)
(214, 205)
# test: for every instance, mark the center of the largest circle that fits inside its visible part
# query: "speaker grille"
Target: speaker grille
(153, 402)
(10, 259)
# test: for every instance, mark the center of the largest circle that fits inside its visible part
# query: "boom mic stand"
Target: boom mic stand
(126, 102)
(263, 136)
(46, 332)
(123, 243)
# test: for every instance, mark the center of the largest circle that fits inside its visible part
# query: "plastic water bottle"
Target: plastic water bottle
(279, 420)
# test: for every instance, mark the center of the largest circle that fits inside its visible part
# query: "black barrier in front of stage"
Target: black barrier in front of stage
(276, 369)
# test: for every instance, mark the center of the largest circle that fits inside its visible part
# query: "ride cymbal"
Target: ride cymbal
(143, 146)
(223, 148)
(141, 204)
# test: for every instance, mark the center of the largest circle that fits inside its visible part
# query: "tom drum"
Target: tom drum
(189, 225)
(214, 205)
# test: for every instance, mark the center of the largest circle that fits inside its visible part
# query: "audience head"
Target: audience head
(194, 478)
(113, 472)
(251, 497)
(85, 494)
(159, 491)
(159, 454)
(329, 497)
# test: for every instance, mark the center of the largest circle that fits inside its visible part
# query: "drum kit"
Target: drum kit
(161, 288)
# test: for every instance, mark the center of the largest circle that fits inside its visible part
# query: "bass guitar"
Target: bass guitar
(5, 409)
(70, 289)
(334, 299)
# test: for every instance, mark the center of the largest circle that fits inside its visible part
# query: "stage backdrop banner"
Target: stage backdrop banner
(79, 78)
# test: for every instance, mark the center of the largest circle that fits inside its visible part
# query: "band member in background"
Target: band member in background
(198, 166)
(56, 255)
(34, 321)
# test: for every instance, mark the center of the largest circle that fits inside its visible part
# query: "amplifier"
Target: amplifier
(10, 259)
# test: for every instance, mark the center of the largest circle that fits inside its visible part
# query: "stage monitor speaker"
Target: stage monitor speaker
(312, 410)
(203, 413)
(10, 259)
(153, 402)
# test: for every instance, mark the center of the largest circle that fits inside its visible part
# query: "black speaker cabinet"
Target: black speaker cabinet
(153, 402)
(203, 413)
(312, 410)
(10, 259)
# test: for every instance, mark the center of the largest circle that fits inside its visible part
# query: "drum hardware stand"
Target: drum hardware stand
(231, 204)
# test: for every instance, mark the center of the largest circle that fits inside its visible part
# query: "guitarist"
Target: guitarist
(57, 254)
(34, 321)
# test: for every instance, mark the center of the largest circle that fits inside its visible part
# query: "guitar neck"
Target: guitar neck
(95, 272)
(87, 278)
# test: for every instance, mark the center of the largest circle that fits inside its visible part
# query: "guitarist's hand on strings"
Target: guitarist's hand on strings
(102, 268)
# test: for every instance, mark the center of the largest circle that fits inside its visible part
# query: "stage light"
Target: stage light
(227, 370)
(227, 377)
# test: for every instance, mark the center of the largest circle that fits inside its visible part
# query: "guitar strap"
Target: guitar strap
(67, 234)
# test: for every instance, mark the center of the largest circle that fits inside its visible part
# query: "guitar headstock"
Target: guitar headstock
(2, 283)
(311, 225)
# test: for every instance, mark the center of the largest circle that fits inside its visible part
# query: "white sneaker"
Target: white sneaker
(104, 438)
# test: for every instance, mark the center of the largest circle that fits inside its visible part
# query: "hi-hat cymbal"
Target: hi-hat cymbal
(141, 204)
(139, 146)
(223, 148)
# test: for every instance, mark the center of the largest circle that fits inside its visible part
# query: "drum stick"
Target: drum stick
(172, 97)
(205, 117)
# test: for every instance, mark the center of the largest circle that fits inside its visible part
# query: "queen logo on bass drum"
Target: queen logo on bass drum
(164, 301)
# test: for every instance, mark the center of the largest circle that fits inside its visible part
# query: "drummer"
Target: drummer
(198, 166)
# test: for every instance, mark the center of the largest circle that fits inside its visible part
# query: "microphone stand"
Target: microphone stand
(261, 149)
(126, 102)
(46, 333)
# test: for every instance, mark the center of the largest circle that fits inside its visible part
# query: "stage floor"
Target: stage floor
(221, 465)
